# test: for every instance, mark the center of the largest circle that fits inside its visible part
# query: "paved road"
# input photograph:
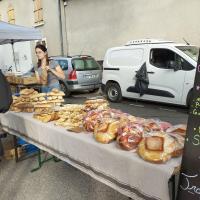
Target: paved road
(170, 113)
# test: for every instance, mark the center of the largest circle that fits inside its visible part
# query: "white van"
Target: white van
(170, 67)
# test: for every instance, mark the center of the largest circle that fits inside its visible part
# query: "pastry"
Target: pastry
(46, 117)
(27, 91)
(71, 117)
(99, 104)
(41, 99)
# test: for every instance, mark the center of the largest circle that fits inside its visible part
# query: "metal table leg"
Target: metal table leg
(15, 147)
(42, 161)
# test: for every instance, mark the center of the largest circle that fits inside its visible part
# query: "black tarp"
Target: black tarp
(142, 80)
(5, 94)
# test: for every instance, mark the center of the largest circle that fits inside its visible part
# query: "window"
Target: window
(11, 15)
(84, 64)
(191, 51)
(183, 64)
(167, 59)
(38, 11)
(63, 64)
(126, 57)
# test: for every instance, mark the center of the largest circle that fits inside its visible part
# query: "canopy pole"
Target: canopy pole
(12, 43)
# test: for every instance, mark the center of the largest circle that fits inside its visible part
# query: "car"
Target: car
(82, 73)
(170, 66)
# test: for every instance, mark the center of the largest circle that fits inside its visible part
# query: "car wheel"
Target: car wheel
(113, 92)
(64, 89)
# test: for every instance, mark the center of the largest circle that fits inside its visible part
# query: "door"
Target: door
(166, 76)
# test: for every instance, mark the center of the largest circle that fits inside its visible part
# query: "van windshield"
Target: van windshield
(84, 64)
(191, 51)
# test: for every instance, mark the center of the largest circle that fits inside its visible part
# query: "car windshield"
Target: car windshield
(191, 51)
(85, 63)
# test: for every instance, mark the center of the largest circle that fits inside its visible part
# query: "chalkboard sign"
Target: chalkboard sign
(189, 182)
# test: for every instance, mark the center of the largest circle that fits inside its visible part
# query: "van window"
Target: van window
(63, 64)
(161, 58)
(84, 64)
(126, 57)
(191, 51)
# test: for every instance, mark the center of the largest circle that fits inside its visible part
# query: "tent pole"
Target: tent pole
(12, 43)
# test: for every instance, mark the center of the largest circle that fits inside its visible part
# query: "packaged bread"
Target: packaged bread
(157, 147)
(106, 131)
(179, 144)
(178, 129)
(129, 136)
(94, 116)
(151, 125)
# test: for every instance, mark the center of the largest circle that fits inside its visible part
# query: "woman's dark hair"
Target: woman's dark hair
(44, 49)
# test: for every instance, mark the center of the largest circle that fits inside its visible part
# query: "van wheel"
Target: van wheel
(113, 92)
(65, 90)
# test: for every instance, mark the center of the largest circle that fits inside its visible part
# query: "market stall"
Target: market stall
(135, 156)
(10, 34)
(123, 171)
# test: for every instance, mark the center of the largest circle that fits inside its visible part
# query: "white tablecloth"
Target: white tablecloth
(124, 171)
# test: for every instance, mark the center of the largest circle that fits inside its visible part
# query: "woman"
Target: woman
(48, 72)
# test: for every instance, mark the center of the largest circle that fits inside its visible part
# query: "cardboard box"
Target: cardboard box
(9, 154)
(18, 80)
(10, 78)
(29, 80)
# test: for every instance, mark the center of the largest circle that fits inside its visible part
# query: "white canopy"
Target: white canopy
(10, 33)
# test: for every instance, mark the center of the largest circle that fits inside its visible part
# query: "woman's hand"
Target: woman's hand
(58, 72)
(47, 68)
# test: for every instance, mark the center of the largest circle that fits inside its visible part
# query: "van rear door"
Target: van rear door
(122, 65)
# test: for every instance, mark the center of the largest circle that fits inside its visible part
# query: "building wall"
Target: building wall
(94, 25)
(51, 27)
(24, 15)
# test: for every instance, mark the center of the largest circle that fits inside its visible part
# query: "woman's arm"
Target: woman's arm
(58, 72)
(43, 78)
(37, 77)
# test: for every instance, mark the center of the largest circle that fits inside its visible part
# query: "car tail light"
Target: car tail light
(72, 75)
